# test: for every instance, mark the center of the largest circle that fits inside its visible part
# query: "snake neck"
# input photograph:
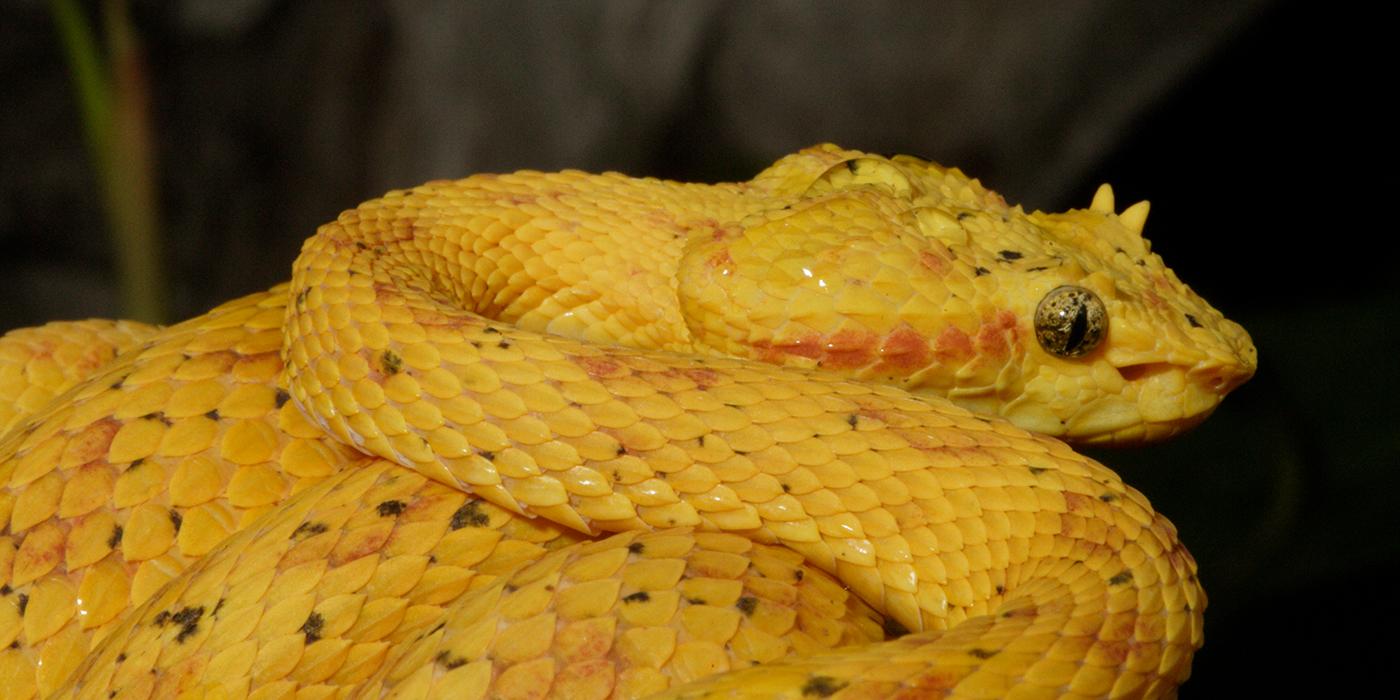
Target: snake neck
(589, 257)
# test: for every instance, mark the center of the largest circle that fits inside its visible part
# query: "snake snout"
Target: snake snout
(1229, 367)
(1222, 378)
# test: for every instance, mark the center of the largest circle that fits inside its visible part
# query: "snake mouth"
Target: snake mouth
(1162, 400)
(1143, 370)
(1219, 380)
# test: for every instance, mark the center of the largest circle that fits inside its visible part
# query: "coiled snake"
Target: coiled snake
(653, 432)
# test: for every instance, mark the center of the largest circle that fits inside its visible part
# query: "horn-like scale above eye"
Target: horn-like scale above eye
(1070, 321)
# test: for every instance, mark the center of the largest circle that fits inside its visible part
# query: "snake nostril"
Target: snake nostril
(1215, 383)
(1222, 379)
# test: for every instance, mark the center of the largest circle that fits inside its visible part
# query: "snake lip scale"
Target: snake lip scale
(584, 436)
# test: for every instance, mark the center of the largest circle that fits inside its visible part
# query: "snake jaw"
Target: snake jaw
(1142, 387)
(1160, 399)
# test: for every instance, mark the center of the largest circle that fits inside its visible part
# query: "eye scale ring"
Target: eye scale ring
(1070, 321)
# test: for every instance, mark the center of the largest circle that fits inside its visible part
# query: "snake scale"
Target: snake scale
(585, 436)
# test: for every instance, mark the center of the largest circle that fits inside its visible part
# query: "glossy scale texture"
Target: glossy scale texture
(399, 474)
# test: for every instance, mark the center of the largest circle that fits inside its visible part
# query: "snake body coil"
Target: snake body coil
(652, 432)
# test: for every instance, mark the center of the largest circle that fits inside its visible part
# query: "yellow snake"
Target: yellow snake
(661, 439)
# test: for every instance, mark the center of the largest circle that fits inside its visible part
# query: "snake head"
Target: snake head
(1167, 357)
(900, 271)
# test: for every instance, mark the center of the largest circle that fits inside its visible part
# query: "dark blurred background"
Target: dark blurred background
(1256, 128)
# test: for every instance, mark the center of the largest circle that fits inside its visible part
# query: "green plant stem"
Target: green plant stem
(89, 81)
(115, 111)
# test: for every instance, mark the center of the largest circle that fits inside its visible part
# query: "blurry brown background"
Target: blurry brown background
(1246, 122)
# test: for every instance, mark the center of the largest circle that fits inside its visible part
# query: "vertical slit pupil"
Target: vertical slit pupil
(1077, 327)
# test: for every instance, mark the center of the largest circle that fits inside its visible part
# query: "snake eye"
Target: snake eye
(1070, 321)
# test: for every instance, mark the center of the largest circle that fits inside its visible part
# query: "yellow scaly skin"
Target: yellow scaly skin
(37, 364)
(1033, 571)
